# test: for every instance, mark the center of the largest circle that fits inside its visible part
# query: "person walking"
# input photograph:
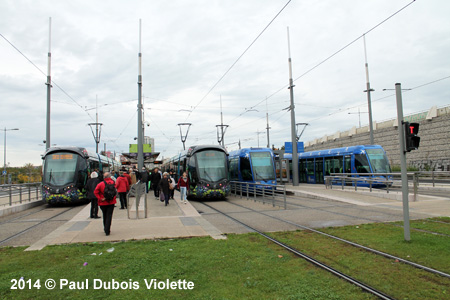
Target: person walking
(106, 195)
(183, 186)
(172, 176)
(155, 179)
(122, 187)
(164, 186)
(145, 178)
(132, 176)
(91, 184)
(125, 173)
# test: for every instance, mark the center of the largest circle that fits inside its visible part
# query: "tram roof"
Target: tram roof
(249, 150)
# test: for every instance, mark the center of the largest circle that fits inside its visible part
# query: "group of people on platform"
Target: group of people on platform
(99, 185)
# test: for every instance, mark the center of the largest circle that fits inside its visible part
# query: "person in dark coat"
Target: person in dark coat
(91, 184)
(145, 178)
(164, 185)
(155, 179)
(107, 206)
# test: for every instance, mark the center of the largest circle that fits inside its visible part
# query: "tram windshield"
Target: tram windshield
(59, 168)
(212, 165)
(379, 161)
(262, 164)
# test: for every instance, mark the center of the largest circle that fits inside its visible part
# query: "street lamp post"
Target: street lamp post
(4, 152)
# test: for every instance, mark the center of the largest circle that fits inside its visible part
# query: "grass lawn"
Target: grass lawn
(240, 267)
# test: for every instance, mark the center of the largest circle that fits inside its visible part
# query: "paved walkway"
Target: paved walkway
(182, 220)
(175, 220)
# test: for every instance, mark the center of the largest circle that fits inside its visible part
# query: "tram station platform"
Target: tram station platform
(178, 220)
(172, 221)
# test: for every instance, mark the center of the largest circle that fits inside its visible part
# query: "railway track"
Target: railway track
(310, 259)
(324, 209)
(431, 270)
(28, 229)
(320, 264)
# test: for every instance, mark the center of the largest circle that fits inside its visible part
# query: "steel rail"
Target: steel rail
(387, 255)
(35, 225)
(316, 262)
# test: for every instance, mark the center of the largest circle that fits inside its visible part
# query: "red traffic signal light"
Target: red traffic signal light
(412, 141)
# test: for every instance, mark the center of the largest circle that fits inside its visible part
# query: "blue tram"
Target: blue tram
(66, 170)
(207, 169)
(314, 165)
(253, 165)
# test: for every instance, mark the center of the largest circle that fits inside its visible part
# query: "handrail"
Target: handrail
(388, 179)
(17, 193)
(260, 192)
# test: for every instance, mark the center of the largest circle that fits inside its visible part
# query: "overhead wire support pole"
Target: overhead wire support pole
(139, 106)
(295, 177)
(220, 139)
(267, 128)
(401, 140)
(98, 131)
(368, 90)
(49, 86)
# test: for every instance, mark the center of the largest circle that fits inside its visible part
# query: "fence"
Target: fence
(386, 180)
(18, 193)
(264, 193)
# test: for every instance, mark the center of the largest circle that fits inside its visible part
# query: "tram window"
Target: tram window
(60, 169)
(246, 170)
(94, 165)
(379, 161)
(310, 166)
(234, 175)
(361, 163)
(348, 164)
(192, 171)
(333, 165)
(302, 170)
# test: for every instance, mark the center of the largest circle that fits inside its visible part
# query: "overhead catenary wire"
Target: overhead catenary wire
(236, 61)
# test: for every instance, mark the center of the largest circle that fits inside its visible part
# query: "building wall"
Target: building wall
(434, 133)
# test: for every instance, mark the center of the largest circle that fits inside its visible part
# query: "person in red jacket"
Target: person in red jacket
(122, 187)
(183, 185)
(107, 206)
(125, 173)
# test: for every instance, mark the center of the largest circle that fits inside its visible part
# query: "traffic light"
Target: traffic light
(412, 141)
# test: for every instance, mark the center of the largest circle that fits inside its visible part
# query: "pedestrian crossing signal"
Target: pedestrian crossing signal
(412, 141)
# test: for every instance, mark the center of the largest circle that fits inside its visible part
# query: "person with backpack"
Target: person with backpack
(106, 195)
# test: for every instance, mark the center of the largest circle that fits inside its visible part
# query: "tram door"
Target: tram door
(285, 170)
(318, 170)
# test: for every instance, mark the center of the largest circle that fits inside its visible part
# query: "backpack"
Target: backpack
(110, 191)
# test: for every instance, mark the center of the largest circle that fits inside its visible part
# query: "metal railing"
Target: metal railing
(442, 177)
(18, 193)
(389, 181)
(265, 193)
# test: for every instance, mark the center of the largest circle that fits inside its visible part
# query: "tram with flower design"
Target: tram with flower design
(207, 170)
(66, 171)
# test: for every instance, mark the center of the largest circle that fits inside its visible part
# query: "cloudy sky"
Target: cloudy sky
(199, 53)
